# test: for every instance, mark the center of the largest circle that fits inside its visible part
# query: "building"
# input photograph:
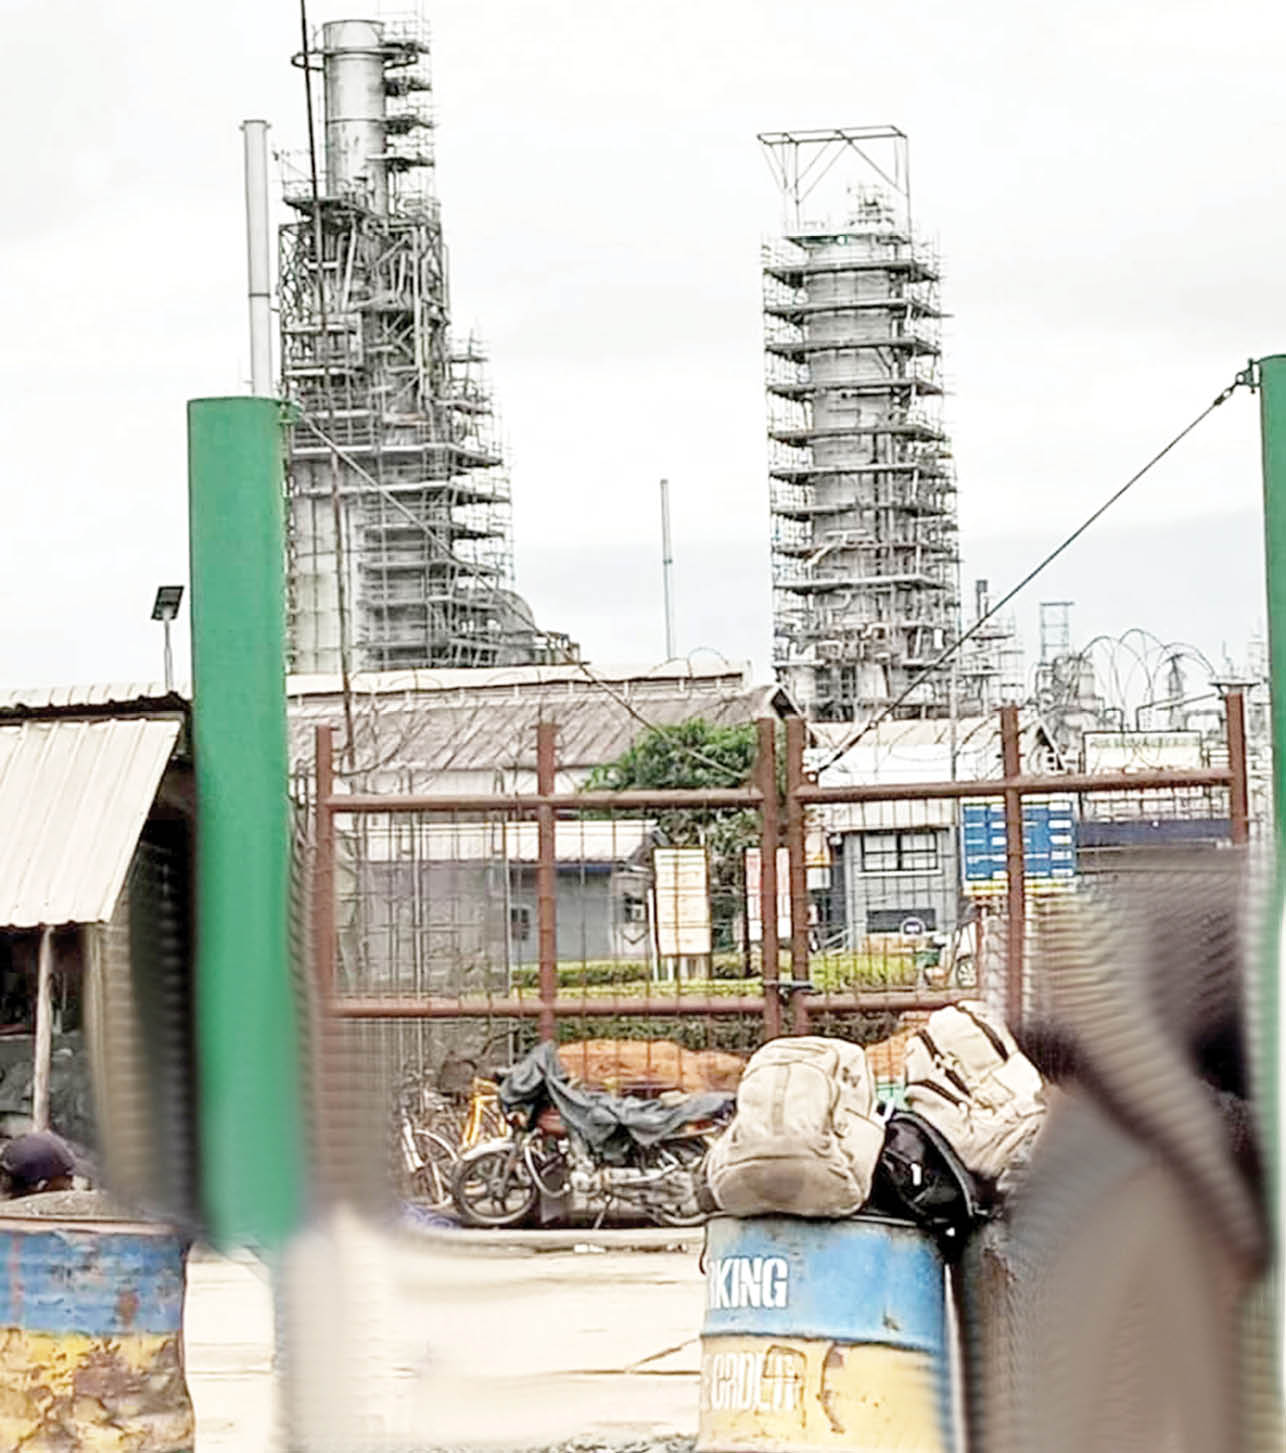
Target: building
(459, 901)
(96, 854)
(446, 903)
(899, 864)
(862, 486)
(399, 504)
(444, 732)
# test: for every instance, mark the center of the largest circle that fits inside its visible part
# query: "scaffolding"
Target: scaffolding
(399, 502)
(864, 547)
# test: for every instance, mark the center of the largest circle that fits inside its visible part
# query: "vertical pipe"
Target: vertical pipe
(1238, 792)
(667, 569)
(769, 833)
(546, 884)
(247, 1047)
(258, 275)
(44, 1031)
(799, 972)
(1015, 865)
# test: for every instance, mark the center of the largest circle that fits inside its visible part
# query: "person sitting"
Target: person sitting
(39, 1161)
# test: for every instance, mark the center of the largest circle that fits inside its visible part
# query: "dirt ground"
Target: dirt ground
(459, 1341)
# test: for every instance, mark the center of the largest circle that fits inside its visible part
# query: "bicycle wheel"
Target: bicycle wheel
(431, 1180)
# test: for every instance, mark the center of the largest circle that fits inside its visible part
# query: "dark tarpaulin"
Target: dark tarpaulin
(607, 1123)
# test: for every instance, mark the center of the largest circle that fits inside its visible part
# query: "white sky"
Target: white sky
(1102, 179)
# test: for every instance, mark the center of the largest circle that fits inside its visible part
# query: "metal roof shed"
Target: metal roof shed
(75, 796)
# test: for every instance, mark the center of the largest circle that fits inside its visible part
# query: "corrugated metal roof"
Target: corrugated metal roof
(473, 680)
(920, 751)
(424, 730)
(21, 700)
(73, 799)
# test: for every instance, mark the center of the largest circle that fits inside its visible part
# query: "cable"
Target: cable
(936, 665)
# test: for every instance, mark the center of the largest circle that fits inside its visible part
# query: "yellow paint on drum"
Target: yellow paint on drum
(793, 1394)
(123, 1394)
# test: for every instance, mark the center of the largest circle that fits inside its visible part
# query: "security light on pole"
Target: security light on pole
(165, 609)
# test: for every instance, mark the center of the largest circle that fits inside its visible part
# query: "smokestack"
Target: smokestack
(353, 54)
(255, 135)
(980, 594)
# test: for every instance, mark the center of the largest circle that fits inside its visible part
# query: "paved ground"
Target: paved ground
(457, 1340)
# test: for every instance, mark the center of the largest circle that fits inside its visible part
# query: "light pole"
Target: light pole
(165, 608)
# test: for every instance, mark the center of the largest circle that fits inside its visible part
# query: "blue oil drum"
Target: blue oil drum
(91, 1337)
(825, 1334)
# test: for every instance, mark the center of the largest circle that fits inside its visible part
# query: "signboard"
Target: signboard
(753, 882)
(1049, 844)
(1141, 751)
(682, 903)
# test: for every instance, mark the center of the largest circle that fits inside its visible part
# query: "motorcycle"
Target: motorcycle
(574, 1151)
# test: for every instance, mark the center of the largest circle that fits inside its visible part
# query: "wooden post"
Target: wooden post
(770, 948)
(1238, 792)
(44, 1031)
(799, 969)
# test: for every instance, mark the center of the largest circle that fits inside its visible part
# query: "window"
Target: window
(520, 924)
(879, 852)
(899, 852)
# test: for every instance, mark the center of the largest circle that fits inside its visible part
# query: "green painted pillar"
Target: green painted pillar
(1271, 378)
(248, 1060)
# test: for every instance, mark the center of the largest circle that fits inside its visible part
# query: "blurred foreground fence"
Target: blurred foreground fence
(718, 918)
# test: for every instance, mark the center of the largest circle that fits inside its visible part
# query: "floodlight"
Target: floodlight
(166, 605)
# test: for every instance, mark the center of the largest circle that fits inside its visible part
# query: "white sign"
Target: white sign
(1141, 751)
(682, 903)
(754, 902)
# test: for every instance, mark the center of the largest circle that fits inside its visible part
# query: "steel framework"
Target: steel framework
(400, 529)
(862, 487)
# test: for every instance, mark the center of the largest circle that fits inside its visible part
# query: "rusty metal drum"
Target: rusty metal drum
(825, 1334)
(91, 1336)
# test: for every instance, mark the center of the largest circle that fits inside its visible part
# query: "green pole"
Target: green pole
(1271, 378)
(249, 1100)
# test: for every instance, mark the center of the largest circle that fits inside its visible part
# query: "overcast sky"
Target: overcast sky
(1102, 180)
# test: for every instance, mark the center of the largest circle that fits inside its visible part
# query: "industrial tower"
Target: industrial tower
(864, 552)
(399, 505)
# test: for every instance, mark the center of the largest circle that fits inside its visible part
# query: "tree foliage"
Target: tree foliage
(696, 754)
(693, 754)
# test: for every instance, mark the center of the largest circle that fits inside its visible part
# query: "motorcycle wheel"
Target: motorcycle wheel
(689, 1157)
(492, 1188)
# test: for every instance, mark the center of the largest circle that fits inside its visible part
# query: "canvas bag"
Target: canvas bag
(966, 1075)
(805, 1136)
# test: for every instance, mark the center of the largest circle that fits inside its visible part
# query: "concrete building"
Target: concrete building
(899, 863)
(399, 503)
(864, 552)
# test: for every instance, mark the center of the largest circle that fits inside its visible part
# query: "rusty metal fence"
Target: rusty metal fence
(501, 919)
